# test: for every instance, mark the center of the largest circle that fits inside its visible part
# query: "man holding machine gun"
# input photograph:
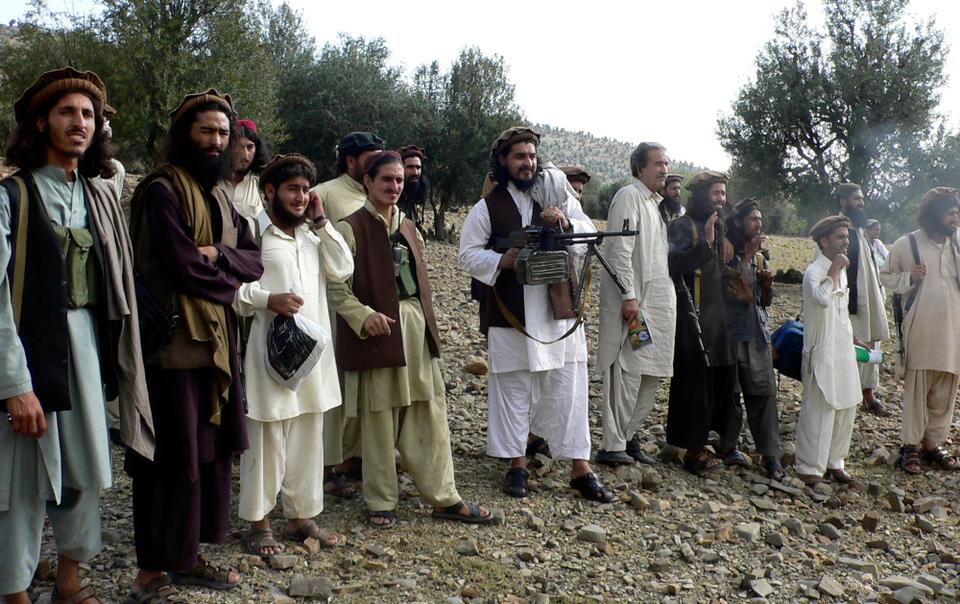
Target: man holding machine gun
(538, 379)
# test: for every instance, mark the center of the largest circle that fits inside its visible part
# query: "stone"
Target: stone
(526, 554)
(476, 366)
(311, 587)
(759, 489)
(829, 531)
(283, 561)
(775, 539)
(651, 480)
(592, 533)
(835, 521)
(638, 501)
(783, 488)
(470, 591)
(764, 504)
(407, 583)
(831, 586)
(895, 501)
(711, 507)
(375, 564)
(111, 536)
(468, 547)
(761, 587)
(863, 566)
(275, 597)
(924, 524)
(687, 552)
(748, 531)
(932, 582)
(794, 527)
(374, 549)
(870, 521)
(880, 544)
(896, 582)
(725, 532)
(908, 595)
(659, 565)
(925, 504)
(535, 523)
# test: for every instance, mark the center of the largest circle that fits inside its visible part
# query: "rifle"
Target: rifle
(543, 258)
(694, 313)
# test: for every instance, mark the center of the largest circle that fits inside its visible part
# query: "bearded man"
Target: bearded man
(68, 333)
(924, 269)
(670, 206)
(415, 184)
(193, 251)
(704, 366)
(537, 382)
(248, 156)
(867, 311)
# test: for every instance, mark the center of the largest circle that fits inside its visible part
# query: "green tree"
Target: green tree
(854, 102)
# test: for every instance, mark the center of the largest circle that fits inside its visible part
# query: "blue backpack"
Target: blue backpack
(787, 341)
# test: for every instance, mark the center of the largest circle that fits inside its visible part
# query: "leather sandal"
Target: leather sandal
(84, 595)
(701, 462)
(940, 457)
(910, 459)
(515, 482)
(838, 475)
(590, 487)
(538, 445)
(205, 575)
(158, 591)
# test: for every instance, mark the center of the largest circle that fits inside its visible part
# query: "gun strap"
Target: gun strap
(20, 251)
(697, 274)
(912, 294)
(516, 324)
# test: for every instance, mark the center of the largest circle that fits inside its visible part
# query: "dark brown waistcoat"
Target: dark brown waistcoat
(375, 284)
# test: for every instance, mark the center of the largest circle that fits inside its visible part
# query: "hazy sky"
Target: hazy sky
(628, 70)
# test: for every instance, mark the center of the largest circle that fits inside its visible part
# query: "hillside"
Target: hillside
(606, 159)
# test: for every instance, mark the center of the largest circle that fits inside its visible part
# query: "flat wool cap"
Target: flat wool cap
(512, 136)
(356, 143)
(199, 98)
(576, 173)
(706, 178)
(280, 161)
(827, 225)
(54, 83)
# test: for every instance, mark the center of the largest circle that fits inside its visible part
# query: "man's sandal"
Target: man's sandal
(205, 575)
(910, 459)
(387, 519)
(940, 457)
(538, 445)
(311, 530)
(256, 540)
(84, 595)
(702, 463)
(454, 512)
(774, 469)
(158, 591)
(838, 475)
(590, 487)
(340, 486)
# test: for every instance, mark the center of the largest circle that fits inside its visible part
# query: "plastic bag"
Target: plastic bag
(293, 349)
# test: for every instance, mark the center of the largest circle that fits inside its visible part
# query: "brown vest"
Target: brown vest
(374, 284)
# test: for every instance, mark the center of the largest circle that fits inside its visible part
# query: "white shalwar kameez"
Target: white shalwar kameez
(631, 377)
(831, 382)
(532, 387)
(285, 427)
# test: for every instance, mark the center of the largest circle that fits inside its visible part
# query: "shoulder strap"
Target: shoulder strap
(914, 248)
(911, 296)
(20, 251)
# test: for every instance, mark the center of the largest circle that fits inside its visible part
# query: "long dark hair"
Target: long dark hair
(27, 146)
(261, 156)
(180, 150)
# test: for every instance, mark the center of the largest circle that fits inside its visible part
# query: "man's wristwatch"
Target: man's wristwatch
(319, 219)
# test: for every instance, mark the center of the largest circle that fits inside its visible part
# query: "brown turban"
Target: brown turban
(279, 161)
(826, 226)
(507, 138)
(706, 178)
(412, 151)
(576, 173)
(846, 189)
(745, 206)
(55, 83)
(199, 98)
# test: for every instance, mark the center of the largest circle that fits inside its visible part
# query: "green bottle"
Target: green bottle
(866, 355)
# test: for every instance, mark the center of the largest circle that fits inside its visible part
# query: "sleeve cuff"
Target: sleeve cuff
(260, 298)
(16, 389)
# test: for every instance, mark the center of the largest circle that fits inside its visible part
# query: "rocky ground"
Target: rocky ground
(671, 537)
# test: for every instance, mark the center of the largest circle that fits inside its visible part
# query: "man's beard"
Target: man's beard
(857, 216)
(672, 203)
(523, 184)
(947, 230)
(207, 170)
(286, 218)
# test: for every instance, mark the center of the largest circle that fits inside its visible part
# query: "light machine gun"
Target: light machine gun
(543, 257)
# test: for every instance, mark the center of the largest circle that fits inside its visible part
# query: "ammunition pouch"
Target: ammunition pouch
(80, 264)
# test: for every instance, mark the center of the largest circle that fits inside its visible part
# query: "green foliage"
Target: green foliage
(855, 102)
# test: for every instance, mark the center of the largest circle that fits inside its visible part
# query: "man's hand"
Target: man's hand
(378, 324)
(917, 273)
(315, 208)
(509, 259)
(631, 310)
(27, 415)
(210, 252)
(553, 216)
(765, 278)
(839, 264)
(709, 232)
(284, 304)
(858, 342)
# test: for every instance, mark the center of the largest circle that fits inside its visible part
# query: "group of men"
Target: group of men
(92, 310)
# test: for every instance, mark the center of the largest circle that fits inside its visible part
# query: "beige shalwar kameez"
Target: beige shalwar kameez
(631, 377)
(870, 322)
(400, 408)
(931, 331)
